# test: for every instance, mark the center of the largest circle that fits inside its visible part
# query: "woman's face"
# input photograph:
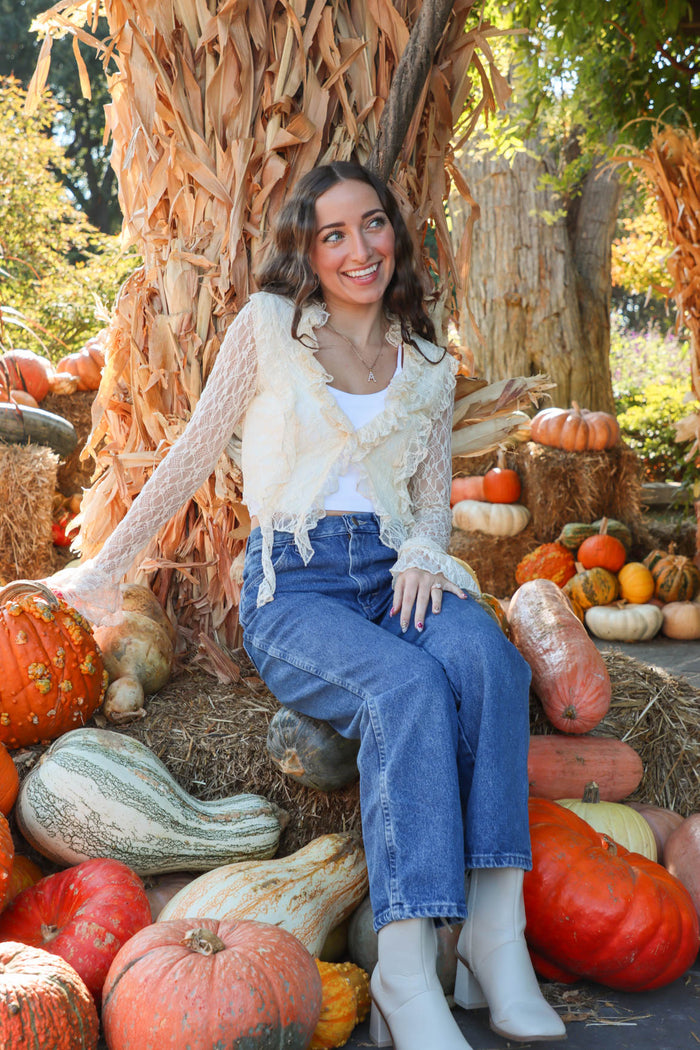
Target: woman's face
(353, 246)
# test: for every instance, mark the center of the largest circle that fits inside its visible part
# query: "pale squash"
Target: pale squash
(307, 893)
(624, 623)
(621, 823)
(495, 519)
(681, 620)
(96, 793)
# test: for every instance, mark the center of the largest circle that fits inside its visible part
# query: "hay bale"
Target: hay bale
(74, 474)
(27, 485)
(658, 715)
(211, 736)
(494, 559)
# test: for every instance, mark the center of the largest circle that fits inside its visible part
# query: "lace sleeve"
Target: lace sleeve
(429, 489)
(93, 587)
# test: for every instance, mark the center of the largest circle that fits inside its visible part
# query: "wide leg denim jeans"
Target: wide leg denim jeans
(441, 715)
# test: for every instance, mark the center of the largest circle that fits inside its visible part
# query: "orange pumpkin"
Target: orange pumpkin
(549, 561)
(25, 873)
(9, 781)
(7, 856)
(86, 364)
(602, 551)
(53, 676)
(575, 429)
(676, 578)
(502, 485)
(23, 370)
(592, 587)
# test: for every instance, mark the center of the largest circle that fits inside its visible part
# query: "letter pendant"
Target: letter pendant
(370, 377)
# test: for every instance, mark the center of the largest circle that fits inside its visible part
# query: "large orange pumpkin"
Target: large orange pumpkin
(53, 677)
(206, 983)
(602, 551)
(594, 910)
(45, 1003)
(575, 429)
(86, 364)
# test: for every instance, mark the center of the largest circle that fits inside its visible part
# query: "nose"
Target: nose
(360, 248)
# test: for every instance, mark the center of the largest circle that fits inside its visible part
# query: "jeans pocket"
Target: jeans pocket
(283, 554)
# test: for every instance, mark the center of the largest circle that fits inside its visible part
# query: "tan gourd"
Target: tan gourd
(307, 893)
(681, 620)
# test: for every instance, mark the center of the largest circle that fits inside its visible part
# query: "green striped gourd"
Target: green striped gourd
(308, 892)
(96, 793)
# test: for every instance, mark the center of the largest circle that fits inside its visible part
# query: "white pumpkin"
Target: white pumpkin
(681, 620)
(624, 623)
(495, 519)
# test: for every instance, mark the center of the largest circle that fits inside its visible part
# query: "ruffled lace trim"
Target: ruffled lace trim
(421, 555)
(407, 395)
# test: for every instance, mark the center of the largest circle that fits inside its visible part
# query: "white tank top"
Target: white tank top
(359, 408)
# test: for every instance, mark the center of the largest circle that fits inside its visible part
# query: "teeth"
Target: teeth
(363, 273)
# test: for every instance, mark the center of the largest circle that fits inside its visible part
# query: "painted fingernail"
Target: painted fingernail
(393, 612)
(404, 628)
(463, 595)
(420, 626)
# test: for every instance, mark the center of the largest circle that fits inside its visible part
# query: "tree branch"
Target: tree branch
(409, 80)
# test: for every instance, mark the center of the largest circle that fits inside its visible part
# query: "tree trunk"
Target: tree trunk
(539, 285)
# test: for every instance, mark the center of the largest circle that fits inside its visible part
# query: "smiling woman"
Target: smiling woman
(352, 610)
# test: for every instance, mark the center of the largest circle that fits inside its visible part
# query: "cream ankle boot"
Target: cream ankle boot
(409, 1008)
(493, 963)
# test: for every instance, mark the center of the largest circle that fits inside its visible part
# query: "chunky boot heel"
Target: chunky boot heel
(492, 952)
(468, 993)
(378, 1029)
(409, 1009)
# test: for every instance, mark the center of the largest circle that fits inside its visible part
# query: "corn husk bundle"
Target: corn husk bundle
(217, 109)
(672, 166)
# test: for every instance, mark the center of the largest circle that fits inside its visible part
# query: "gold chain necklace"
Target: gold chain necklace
(370, 376)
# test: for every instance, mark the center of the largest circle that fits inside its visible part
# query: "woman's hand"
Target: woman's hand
(419, 588)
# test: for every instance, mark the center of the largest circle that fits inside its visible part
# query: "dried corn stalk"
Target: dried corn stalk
(217, 108)
(672, 166)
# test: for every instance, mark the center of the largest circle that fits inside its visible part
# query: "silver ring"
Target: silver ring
(436, 587)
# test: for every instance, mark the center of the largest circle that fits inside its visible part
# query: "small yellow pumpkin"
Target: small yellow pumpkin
(344, 1004)
(636, 583)
(621, 823)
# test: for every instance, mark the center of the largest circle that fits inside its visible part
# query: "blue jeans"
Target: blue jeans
(441, 715)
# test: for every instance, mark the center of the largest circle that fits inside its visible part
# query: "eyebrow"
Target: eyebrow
(365, 215)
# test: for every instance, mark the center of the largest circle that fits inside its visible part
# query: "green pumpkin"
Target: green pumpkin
(311, 751)
(593, 587)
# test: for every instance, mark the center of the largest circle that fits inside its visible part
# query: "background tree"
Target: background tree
(217, 109)
(78, 122)
(540, 284)
(58, 274)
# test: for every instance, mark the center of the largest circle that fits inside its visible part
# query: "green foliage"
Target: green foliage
(651, 385)
(57, 272)
(610, 61)
(79, 122)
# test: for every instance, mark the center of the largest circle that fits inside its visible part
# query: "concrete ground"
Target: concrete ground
(596, 1017)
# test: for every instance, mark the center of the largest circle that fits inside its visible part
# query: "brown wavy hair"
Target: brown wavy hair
(286, 269)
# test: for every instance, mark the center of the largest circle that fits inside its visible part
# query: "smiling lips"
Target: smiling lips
(366, 271)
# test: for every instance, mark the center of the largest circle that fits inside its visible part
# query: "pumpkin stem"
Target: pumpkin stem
(603, 527)
(206, 942)
(48, 932)
(609, 845)
(591, 792)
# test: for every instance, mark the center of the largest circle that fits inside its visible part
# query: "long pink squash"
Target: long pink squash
(568, 673)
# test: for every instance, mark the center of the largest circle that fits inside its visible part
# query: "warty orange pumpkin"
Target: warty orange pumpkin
(53, 678)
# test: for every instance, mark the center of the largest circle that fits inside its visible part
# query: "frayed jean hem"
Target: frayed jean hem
(452, 910)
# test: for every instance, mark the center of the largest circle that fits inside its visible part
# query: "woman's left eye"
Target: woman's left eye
(378, 220)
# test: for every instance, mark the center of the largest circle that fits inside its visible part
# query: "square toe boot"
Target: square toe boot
(493, 963)
(409, 1009)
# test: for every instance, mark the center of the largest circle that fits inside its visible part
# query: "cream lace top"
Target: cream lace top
(267, 404)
